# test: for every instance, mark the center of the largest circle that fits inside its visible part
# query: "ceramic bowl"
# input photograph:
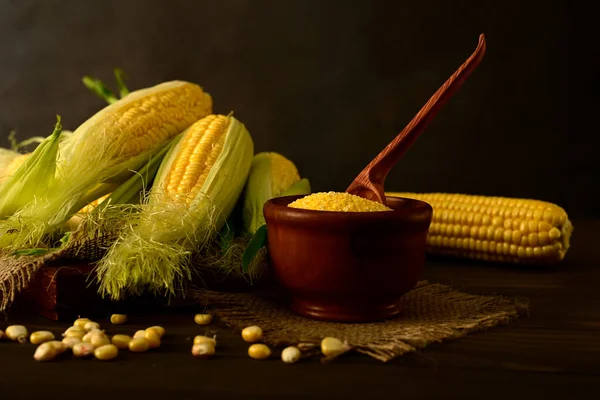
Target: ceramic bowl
(347, 266)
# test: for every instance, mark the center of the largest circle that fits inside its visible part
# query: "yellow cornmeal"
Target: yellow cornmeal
(333, 201)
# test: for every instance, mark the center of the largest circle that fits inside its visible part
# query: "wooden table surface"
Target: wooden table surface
(552, 352)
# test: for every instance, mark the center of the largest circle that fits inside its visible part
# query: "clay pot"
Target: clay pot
(347, 266)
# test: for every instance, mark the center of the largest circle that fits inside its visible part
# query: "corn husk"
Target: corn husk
(92, 162)
(271, 174)
(154, 250)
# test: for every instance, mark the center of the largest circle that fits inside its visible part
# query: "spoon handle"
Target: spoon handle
(369, 183)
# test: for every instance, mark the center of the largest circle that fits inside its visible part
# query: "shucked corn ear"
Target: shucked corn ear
(101, 154)
(194, 192)
(271, 174)
(499, 229)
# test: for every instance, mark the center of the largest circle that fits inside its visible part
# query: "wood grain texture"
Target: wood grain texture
(369, 183)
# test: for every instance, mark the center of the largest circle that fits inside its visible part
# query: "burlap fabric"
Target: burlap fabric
(90, 242)
(87, 244)
(431, 313)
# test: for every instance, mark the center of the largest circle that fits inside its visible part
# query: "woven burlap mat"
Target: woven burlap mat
(16, 273)
(431, 313)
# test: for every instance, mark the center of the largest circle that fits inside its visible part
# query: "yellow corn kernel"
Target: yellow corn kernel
(92, 205)
(200, 148)
(148, 116)
(511, 230)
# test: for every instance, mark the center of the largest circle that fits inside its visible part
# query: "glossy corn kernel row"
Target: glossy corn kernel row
(499, 229)
(199, 150)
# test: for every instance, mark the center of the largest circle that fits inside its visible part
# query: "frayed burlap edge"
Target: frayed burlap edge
(86, 244)
(432, 313)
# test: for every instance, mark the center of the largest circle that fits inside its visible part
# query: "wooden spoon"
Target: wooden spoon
(369, 183)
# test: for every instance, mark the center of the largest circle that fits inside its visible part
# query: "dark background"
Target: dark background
(327, 83)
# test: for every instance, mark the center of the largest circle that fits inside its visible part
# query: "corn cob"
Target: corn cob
(102, 153)
(194, 192)
(271, 174)
(499, 229)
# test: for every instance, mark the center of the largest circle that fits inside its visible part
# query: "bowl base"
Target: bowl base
(349, 313)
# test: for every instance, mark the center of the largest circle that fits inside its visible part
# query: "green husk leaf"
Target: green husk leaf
(270, 175)
(259, 239)
(30, 252)
(133, 190)
(120, 77)
(300, 187)
(99, 89)
(32, 179)
(16, 146)
(257, 242)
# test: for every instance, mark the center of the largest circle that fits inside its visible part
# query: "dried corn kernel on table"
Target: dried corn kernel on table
(553, 350)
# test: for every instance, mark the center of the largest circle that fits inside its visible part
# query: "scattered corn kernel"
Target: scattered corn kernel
(75, 334)
(88, 336)
(159, 329)
(333, 201)
(74, 331)
(203, 350)
(259, 351)
(80, 322)
(118, 319)
(71, 341)
(204, 339)
(17, 333)
(45, 352)
(331, 347)
(121, 341)
(40, 337)
(290, 355)
(83, 349)
(203, 319)
(59, 346)
(1, 334)
(91, 325)
(106, 352)
(138, 345)
(99, 340)
(153, 338)
(252, 334)
(140, 334)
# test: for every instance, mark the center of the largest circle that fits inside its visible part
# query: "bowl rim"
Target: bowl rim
(414, 208)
